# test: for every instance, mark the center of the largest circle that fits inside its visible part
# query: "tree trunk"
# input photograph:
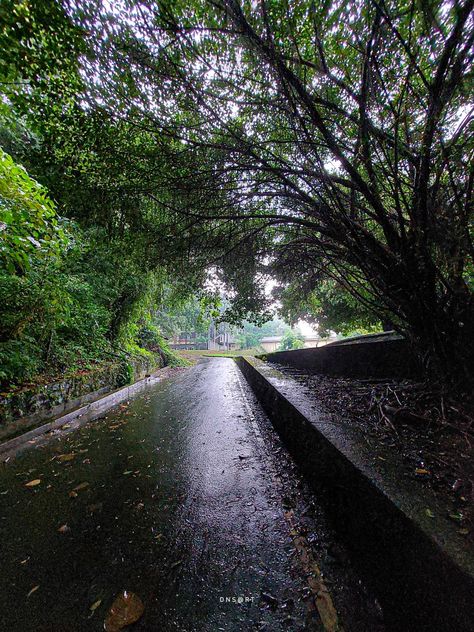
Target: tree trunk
(443, 339)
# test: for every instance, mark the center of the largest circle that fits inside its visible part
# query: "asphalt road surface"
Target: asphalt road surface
(186, 497)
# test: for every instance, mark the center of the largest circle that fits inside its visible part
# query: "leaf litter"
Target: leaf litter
(125, 610)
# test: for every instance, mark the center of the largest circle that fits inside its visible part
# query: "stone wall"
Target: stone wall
(26, 407)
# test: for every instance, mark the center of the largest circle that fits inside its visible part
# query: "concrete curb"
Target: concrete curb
(81, 415)
(422, 571)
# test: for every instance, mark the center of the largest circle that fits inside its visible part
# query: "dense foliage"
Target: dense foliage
(329, 307)
(29, 228)
(75, 286)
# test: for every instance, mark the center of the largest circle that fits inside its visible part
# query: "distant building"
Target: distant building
(270, 343)
(219, 338)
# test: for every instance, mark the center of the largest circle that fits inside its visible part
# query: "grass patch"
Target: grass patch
(194, 354)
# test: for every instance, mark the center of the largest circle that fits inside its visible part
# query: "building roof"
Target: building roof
(271, 339)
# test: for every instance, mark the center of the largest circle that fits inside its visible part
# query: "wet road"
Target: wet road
(186, 497)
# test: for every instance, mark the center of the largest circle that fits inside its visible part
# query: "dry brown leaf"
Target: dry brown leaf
(421, 471)
(126, 609)
(33, 483)
(64, 528)
(34, 589)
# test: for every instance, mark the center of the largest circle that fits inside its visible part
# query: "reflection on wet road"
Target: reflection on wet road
(185, 497)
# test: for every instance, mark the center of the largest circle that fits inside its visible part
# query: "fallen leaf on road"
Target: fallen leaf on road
(64, 528)
(78, 488)
(126, 609)
(456, 516)
(429, 513)
(33, 483)
(322, 596)
(457, 485)
(34, 589)
(95, 605)
(422, 472)
(66, 457)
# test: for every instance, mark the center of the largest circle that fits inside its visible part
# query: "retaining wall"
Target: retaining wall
(76, 417)
(29, 406)
(375, 356)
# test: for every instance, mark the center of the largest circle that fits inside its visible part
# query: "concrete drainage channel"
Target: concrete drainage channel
(77, 417)
(421, 570)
